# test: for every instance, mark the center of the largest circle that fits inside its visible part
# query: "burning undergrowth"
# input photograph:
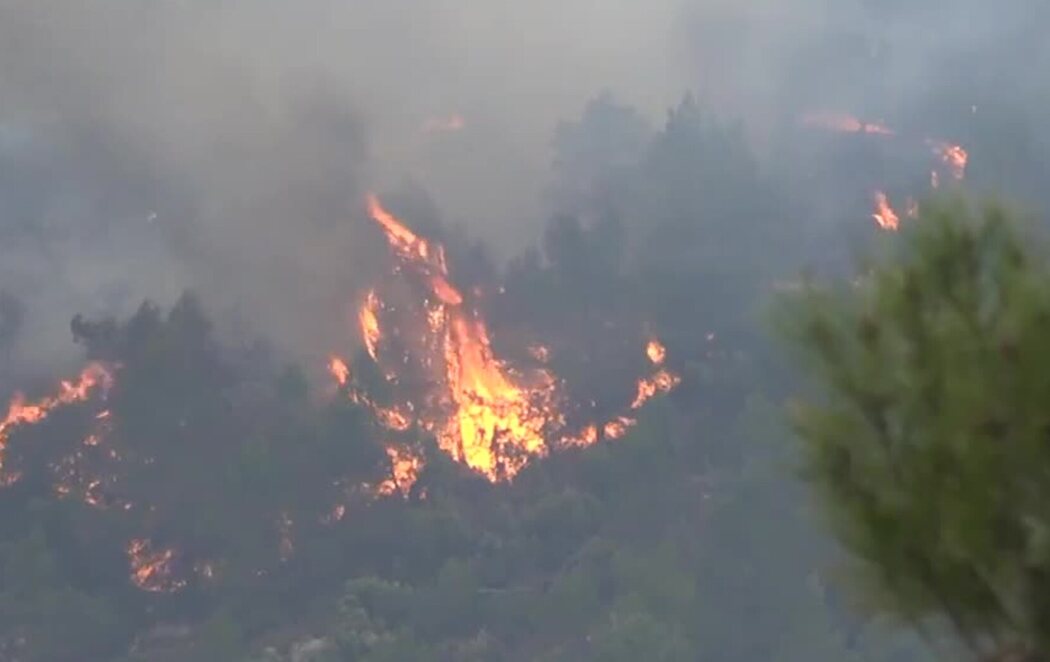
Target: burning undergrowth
(431, 344)
(949, 161)
(161, 403)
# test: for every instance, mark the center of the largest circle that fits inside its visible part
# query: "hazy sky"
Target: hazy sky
(226, 145)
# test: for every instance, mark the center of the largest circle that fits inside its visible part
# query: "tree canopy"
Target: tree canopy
(926, 433)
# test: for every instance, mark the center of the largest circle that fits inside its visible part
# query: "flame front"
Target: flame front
(339, 370)
(482, 417)
(884, 214)
(663, 381)
(19, 411)
(151, 570)
(954, 157)
(483, 414)
(844, 123)
(404, 471)
(656, 352)
(368, 318)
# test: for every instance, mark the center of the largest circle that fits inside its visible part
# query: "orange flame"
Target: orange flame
(401, 239)
(404, 471)
(845, 123)
(444, 291)
(541, 353)
(884, 214)
(339, 370)
(19, 411)
(368, 317)
(656, 352)
(151, 570)
(953, 156)
(618, 428)
(662, 382)
(483, 414)
(393, 418)
(491, 423)
(587, 437)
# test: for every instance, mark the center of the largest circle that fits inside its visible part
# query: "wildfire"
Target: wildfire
(541, 353)
(483, 413)
(151, 570)
(884, 214)
(845, 123)
(368, 317)
(662, 382)
(401, 239)
(618, 428)
(481, 417)
(656, 352)
(339, 370)
(404, 471)
(954, 157)
(19, 411)
(587, 437)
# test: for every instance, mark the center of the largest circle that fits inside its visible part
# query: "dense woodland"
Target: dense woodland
(688, 537)
(691, 538)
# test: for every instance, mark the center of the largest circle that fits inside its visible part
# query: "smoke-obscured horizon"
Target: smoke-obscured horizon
(146, 149)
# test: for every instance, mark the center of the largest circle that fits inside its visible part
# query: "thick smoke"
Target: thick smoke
(973, 72)
(150, 147)
(140, 159)
(146, 148)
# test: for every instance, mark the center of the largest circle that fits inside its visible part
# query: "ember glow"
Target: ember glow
(368, 318)
(20, 411)
(618, 428)
(844, 123)
(656, 352)
(404, 471)
(151, 569)
(540, 352)
(484, 413)
(954, 157)
(339, 370)
(951, 157)
(663, 381)
(884, 215)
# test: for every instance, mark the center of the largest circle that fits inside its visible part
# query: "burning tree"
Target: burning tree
(929, 446)
(432, 346)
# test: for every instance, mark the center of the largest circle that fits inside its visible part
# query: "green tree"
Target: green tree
(928, 437)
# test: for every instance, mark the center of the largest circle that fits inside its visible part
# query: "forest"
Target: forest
(593, 448)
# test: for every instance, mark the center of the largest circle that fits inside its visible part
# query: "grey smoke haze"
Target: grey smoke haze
(225, 146)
